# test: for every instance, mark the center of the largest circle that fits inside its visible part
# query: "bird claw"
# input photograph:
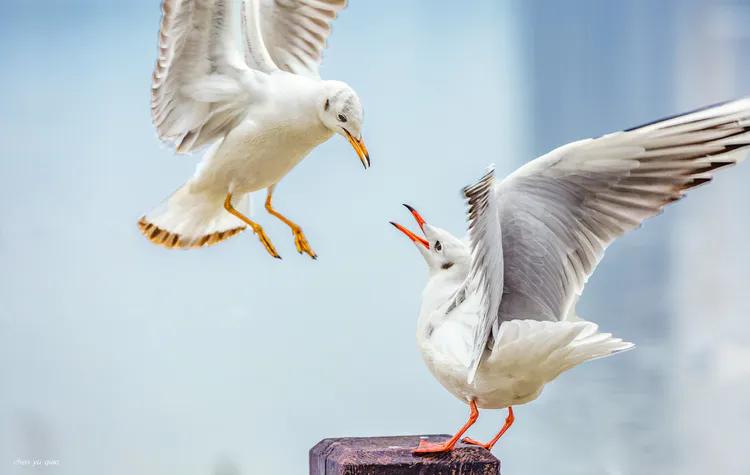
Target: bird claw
(300, 242)
(426, 447)
(265, 241)
(470, 441)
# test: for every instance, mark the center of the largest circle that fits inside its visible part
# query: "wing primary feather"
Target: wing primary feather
(487, 266)
(295, 32)
(677, 116)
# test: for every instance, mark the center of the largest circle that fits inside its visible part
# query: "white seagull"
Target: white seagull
(498, 320)
(261, 116)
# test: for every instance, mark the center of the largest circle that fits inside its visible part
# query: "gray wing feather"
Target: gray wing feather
(201, 85)
(256, 50)
(487, 267)
(558, 213)
(293, 32)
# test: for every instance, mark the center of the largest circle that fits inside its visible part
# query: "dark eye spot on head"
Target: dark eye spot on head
(342, 118)
(438, 246)
(327, 105)
(447, 265)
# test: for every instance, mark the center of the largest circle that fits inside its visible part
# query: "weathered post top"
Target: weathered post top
(393, 456)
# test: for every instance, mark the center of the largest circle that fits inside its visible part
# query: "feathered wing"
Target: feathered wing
(201, 86)
(558, 213)
(487, 263)
(288, 34)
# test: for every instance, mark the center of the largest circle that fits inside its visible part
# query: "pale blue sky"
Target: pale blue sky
(120, 357)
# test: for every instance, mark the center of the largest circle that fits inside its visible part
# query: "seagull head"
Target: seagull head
(341, 112)
(443, 252)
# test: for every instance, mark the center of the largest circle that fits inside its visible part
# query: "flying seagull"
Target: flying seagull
(498, 320)
(259, 116)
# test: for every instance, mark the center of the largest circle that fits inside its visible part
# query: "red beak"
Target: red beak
(420, 221)
(417, 216)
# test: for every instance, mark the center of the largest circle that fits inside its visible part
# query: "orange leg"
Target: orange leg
(432, 448)
(257, 229)
(508, 422)
(300, 241)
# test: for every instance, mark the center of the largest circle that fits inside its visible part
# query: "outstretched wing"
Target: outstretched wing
(487, 256)
(289, 34)
(558, 213)
(201, 86)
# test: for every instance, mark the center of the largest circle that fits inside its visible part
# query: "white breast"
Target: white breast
(263, 148)
(445, 340)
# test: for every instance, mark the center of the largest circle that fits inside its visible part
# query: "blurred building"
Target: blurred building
(709, 259)
(598, 67)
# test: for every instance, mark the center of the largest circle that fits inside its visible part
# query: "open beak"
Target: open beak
(414, 238)
(359, 147)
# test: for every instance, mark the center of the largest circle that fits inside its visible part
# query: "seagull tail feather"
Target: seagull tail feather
(546, 349)
(192, 218)
(588, 344)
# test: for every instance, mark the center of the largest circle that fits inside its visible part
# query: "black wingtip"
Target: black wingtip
(681, 114)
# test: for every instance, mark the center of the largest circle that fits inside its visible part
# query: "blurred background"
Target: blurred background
(120, 357)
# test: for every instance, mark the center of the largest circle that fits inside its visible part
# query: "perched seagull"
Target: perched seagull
(497, 320)
(261, 116)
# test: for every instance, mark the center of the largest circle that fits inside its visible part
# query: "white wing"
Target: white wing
(289, 34)
(558, 213)
(201, 86)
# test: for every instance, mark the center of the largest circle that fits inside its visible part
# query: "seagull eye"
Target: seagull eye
(438, 246)
(342, 118)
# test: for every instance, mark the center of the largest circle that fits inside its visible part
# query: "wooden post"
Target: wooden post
(393, 456)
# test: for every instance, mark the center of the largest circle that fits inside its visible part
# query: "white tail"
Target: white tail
(552, 347)
(193, 218)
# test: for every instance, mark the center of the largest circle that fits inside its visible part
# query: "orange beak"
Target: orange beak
(359, 147)
(414, 238)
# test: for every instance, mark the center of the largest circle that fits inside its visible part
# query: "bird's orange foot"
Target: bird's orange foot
(300, 242)
(265, 241)
(470, 441)
(426, 447)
